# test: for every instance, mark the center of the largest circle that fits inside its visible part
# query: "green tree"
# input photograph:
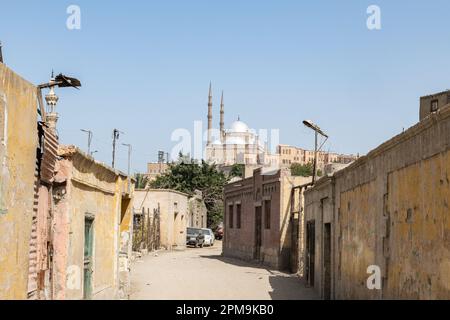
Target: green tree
(305, 170)
(141, 181)
(188, 175)
(237, 170)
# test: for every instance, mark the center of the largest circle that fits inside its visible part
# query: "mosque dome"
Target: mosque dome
(235, 140)
(217, 143)
(239, 127)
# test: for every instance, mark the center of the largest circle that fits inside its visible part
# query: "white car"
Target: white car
(209, 237)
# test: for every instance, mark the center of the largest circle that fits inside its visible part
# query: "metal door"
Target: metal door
(311, 251)
(258, 240)
(88, 257)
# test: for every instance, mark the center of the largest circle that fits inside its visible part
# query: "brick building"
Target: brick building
(258, 224)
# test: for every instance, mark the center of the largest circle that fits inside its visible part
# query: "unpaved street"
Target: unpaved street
(203, 274)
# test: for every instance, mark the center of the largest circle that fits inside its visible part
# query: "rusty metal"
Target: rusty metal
(49, 155)
(32, 291)
(41, 105)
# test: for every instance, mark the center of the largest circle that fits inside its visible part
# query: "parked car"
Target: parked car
(209, 237)
(195, 237)
(219, 233)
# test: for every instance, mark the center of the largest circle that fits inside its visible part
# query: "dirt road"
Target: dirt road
(203, 274)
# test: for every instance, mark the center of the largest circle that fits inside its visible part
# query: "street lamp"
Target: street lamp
(60, 81)
(317, 131)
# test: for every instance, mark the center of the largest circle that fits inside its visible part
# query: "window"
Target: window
(238, 216)
(434, 105)
(267, 214)
(230, 216)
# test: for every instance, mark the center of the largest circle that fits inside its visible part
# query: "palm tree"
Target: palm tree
(141, 181)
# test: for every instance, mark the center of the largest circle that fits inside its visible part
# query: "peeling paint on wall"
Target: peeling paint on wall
(18, 143)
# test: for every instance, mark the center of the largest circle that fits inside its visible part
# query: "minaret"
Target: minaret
(52, 116)
(209, 115)
(222, 122)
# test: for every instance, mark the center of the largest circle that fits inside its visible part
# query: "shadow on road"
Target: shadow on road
(285, 286)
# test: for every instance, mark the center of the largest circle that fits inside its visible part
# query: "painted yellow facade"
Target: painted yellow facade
(85, 191)
(18, 143)
(389, 209)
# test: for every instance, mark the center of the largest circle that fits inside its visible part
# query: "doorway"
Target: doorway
(258, 231)
(88, 257)
(327, 261)
(311, 251)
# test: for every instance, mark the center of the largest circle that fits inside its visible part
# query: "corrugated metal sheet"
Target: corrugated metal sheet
(49, 156)
(32, 256)
(46, 156)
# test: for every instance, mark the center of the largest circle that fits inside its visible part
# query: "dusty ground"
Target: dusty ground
(203, 274)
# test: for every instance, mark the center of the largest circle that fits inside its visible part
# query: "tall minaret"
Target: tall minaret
(222, 122)
(209, 115)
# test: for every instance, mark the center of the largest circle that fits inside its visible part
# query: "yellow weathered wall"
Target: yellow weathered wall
(419, 241)
(18, 109)
(91, 189)
(390, 209)
(358, 239)
(172, 228)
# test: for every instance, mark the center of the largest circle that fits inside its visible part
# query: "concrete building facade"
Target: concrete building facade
(18, 145)
(92, 221)
(387, 210)
(197, 212)
(431, 103)
(290, 155)
(258, 223)
(156, 169)
(173, 211)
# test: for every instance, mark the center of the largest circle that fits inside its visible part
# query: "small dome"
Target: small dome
(217, 143)
(239, 126)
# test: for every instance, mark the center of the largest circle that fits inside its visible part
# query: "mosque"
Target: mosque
(237, 145)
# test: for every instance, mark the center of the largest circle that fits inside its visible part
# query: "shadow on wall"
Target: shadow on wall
(284, 286)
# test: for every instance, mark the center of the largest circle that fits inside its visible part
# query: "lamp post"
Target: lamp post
(61, 81)
(317, 131)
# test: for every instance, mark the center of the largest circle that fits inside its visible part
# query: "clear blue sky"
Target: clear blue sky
(146, 66)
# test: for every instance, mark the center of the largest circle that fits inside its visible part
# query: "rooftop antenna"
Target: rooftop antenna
(1, 55)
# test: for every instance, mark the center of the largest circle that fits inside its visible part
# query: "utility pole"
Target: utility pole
(89, 132)
(317, 131)
(116, 134)
(129, 165)
(316, 134)
(1, 54)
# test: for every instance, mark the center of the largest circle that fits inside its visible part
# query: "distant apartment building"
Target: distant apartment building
(294, 155)
(155, 169)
